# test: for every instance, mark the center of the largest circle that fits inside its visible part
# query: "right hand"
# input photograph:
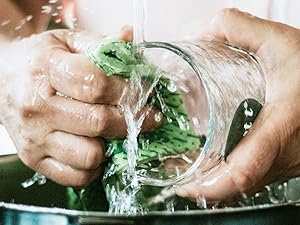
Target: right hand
(56, 104)
(270, 151)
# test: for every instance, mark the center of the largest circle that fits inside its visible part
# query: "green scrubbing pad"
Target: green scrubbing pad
(171, 138)
(117, 57)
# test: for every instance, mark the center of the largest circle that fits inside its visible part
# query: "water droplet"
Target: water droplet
(58, 20)
(46, 9)
(170, 205)
(145, 144)
(5, 22)
(54, 14)
(18, 27)
(169, 120)
(183, 123)
(186, 159)
(59, 7)
(172, 87)
(201, 202)
(37, 178)
(60, 94)
(52, 1)
(184, 88)
(196, 122)
(177, 171)
(28, 18)
(272, 195)
(89, 77)
(158, 117)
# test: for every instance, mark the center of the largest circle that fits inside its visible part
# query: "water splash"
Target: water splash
(134, 98)
(36, 179)
(201, 202)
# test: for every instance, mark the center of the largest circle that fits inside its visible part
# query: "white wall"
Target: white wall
(6, 145)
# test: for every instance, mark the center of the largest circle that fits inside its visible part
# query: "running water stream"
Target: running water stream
(133, 100)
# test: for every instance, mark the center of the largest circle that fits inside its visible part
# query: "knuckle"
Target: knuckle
(93, 158)
(100, 92)
(27, 110)
(32, 106)
(99, 120)
(82, 180)
(28, 158)
(31, 152)
(242, 179)
(96, 89)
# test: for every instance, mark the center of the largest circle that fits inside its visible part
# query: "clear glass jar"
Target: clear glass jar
(223, 89)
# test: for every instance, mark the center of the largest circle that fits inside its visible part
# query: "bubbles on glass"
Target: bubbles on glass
(183, 123)
(158, 117)
(172, 87)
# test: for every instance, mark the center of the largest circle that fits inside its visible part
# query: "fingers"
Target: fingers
(86, 119)
(65, 158)
(75, 76)
(79, 41)
(245, 168)
(239, 29)
(93, 119)
(78, 152)
(64, 174)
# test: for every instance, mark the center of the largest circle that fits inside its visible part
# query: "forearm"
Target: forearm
(10, 21)
(36, 9)
(21, 18)
(18, 19)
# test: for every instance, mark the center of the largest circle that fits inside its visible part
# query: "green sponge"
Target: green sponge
(175, 135)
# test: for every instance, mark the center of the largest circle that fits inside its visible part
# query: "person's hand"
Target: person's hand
(55, 104)
(270, 151)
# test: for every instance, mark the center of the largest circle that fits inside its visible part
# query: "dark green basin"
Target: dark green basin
(45, 205)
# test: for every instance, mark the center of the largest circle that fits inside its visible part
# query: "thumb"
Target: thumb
(246, 167)
(239, 28)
